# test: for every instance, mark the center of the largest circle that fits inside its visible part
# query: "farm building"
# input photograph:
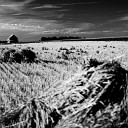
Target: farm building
(12, 39)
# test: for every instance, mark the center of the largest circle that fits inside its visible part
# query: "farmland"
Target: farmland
(55, 66)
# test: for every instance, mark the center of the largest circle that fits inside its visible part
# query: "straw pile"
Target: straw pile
(95, 97)
(36, 114)
(101, 92)
(18, 56)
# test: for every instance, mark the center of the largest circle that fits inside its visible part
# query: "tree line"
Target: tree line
(59, 38)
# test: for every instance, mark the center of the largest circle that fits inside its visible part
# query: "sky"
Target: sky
(30, 20)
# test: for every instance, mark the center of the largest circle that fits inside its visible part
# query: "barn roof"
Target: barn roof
(12, 37)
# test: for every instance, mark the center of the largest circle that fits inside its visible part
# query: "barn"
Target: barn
(12, 39)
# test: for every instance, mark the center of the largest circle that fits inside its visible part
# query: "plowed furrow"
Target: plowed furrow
(20, 70)
(17, 73)
(11, 71)
(5, 70)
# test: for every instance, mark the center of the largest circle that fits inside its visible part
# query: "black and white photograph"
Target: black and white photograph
(63, 64)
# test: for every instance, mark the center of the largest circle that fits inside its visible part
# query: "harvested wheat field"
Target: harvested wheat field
(72, 84)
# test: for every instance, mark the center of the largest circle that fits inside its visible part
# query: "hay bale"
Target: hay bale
(18, 56)
(105, 97)
(28, 55)
(36, 114)
(12, 55)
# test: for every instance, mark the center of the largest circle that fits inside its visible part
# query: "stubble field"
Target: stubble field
(54, 67)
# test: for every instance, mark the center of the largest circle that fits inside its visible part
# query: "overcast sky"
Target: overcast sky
(32, 19)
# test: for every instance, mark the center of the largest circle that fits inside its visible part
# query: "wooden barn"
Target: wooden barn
(12, 39)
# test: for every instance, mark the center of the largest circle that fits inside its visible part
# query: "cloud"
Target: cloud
(60, 16)
(46, 32)
(63, 10)
(86, 26)
(18, 14)
(47, 27)
(46, 6)
(44, 26)
(8, 5)
(63, 29)
(88, 33)
(20, 27)
(124, 18)
(93, 33)
(79, 3)
(78, 28)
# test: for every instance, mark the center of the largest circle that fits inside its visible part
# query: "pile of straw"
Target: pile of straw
(95, 97)
(36, 114)
(103, 90)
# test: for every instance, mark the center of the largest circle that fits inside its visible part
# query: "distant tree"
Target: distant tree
(58, 38)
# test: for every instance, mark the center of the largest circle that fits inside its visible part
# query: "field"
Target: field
(50, 76)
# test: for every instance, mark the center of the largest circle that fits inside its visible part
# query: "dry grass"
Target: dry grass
(89, 99)
(100, 98)
(79, 90)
